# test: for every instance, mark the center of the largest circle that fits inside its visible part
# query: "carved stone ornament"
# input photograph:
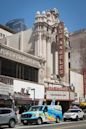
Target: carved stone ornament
(19, 57)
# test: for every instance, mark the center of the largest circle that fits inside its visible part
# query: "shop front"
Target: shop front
(27, 93)
(64, 95)
(5, 98)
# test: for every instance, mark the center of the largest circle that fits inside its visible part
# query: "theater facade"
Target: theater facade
(40, 56)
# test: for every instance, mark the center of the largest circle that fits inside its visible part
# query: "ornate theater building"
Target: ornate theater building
(38, 58)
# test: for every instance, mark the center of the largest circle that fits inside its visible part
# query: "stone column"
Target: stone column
(36, 44)
(21, 41)
(51, 63)
(40, 45)
(44, 46)
(56, 63)
(66, 77)
(0, 67)
(48, 58)
(41, 75)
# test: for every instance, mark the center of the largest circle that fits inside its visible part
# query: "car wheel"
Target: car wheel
(57, 120)
(64, 119)
(12, 123)
(39, 121)
(25, 122)
(77, 118)
(82, 118)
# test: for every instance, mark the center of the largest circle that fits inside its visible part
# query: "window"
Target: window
(18, 70)
(69, 65)
(45, 109)
(69, 55)
(75, 94)
(8, 68)
(36, 108)
(2, 35)
(69, 43)
(5, 111)
(74, 111)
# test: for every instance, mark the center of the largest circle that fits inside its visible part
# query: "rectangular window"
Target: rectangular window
(69, 65)
(69, 55)
(17, 70)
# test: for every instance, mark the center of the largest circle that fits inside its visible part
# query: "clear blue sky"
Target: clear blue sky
(72, 12)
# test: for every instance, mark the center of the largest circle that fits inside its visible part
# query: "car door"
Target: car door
(0, 116)
(45, 111)
(5, 114)
(84, 113)
(80, 114)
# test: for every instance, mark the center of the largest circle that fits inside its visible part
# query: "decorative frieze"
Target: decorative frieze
(6, 80)
(19, 57)
(5, 89)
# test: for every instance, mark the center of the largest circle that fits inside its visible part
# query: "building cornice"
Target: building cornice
(18, 56)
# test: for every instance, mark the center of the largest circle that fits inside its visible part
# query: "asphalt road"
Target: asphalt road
(62, 125)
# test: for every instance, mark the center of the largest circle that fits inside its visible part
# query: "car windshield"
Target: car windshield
(73, 110)
(36, 108)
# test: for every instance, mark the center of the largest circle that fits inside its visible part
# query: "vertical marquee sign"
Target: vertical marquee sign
(60, 44)
(84, 82)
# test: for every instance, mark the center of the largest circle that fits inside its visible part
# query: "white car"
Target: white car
(73, 114)
(84, 110)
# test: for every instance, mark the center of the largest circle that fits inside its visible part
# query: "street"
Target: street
(62, 125)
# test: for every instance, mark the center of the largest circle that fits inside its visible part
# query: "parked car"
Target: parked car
(8, 117)
(73, 114)
(84, 110)
(43, 113)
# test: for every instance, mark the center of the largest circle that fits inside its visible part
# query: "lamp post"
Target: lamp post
(34, 94)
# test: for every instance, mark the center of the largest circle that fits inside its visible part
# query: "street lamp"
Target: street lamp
(34, 94)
